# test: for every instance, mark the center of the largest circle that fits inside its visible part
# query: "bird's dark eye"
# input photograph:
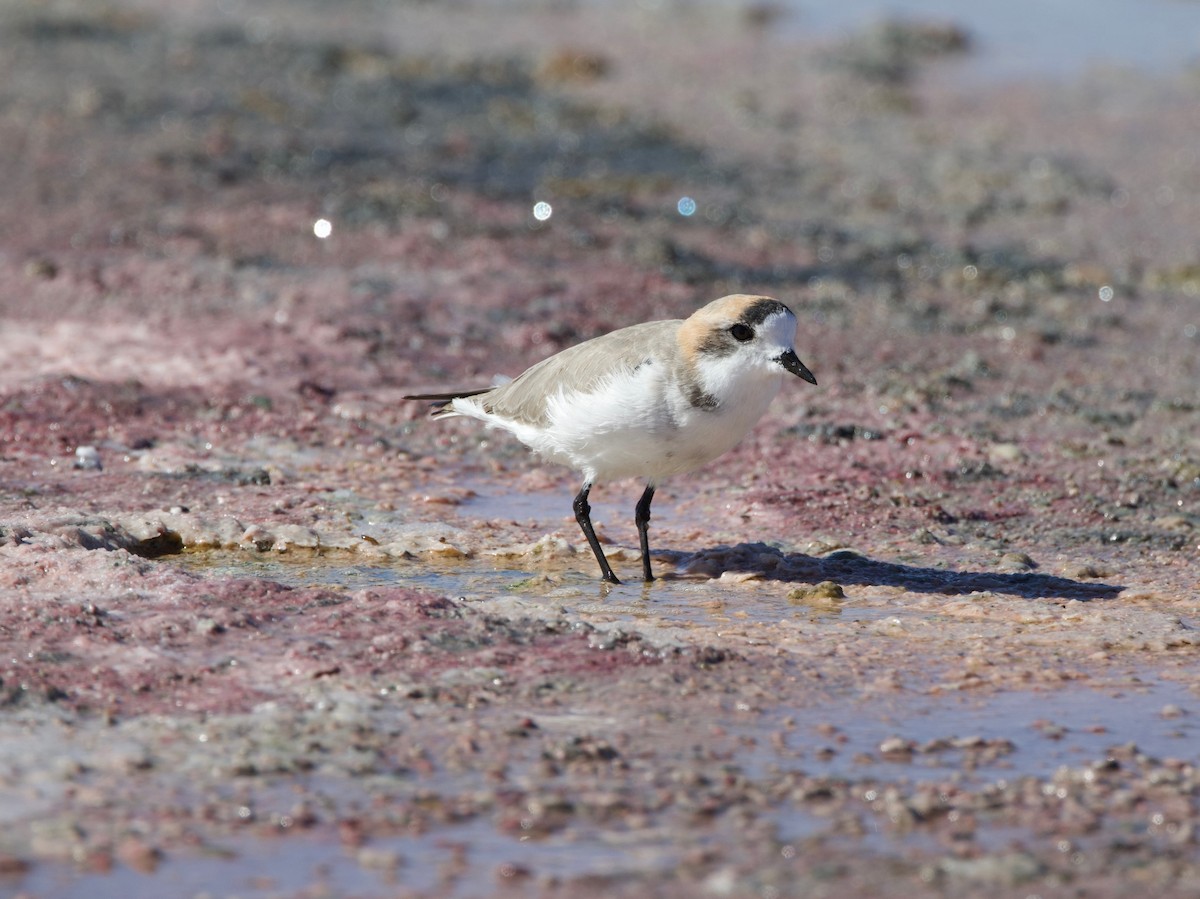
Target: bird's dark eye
(742, 332)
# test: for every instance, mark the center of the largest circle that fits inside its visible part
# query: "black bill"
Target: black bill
(789, 360)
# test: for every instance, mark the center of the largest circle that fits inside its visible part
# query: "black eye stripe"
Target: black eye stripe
(742, 332)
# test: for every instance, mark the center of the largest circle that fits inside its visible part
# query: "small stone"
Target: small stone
(581, 749)
(1173, 523)
(512, 872)
(1004, 452)
(139, 855)
(258, 537)
(208, 626)
(924, 536)
(447, 551)
(523, 728)
(1007, 869)
(55, 839)
(896, 747)
(1049, 729)
(722, 882)
(1016, 561)
(844, 555)
(969, 742)
(379, 859)
(41, 268)
(1170, 710)
(13, 866)
(823, 546)
(87, 458)
(1084, 571)
(824, 591)
(739, 577)
(573, 66)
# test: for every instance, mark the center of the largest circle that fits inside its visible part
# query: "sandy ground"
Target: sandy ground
(268, 631)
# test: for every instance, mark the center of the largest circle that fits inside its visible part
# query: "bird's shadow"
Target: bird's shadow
(850, 568)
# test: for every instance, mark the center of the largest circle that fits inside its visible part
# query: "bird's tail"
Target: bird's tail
(441, 401)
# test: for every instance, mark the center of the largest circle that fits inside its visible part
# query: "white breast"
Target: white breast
(641, 424)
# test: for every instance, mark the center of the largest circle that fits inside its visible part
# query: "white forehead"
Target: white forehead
(779, 327)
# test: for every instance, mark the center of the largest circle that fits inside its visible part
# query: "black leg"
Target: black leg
(642, 517)
(583, 514)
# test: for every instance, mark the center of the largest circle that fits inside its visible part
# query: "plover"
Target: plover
(648, 401)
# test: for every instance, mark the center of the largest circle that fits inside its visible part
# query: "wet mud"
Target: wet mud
(266, 630)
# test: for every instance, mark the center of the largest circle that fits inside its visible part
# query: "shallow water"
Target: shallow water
(948, 740)
(1070, 726)
(1033, 38)
(833, 734)
(470, 859)
(689, 602)
(839, 738)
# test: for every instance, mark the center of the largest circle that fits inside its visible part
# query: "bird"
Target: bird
(647, 401)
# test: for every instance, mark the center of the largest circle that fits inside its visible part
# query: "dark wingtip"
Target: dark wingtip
(445, 399)
(440, 402)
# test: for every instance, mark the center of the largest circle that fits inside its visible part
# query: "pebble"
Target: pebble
(896, 747)
(1000, 453)
(1084, 571)
(826, 592)
(42, 269)
(87, 458)
(1016, 561)
(1007, 869)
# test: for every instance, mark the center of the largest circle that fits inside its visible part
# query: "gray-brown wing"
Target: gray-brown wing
(578, 369)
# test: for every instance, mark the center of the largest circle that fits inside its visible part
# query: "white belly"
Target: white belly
(642, 426)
